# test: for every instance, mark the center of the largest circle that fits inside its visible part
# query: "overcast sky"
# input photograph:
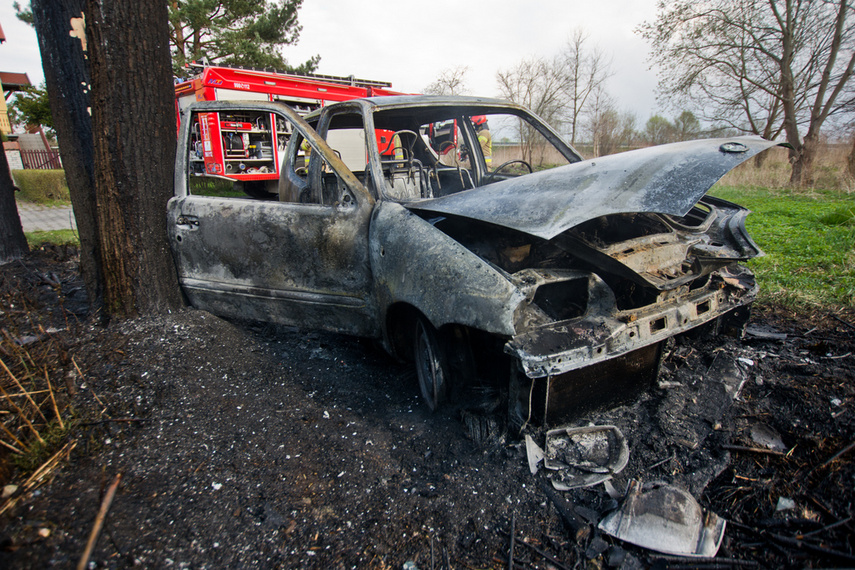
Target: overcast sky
(410, 43)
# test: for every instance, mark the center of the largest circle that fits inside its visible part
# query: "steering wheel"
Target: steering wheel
(490, 175)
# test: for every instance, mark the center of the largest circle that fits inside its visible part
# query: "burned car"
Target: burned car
(499, 263)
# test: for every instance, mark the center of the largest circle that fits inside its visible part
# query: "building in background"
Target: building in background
(10, 83)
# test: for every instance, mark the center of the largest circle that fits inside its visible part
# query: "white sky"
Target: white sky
(410, 42)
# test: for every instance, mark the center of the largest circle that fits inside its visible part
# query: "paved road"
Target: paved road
(35, 217)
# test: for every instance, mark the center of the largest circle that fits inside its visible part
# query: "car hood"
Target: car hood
(666, 179)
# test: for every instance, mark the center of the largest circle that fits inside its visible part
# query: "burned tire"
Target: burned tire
(432, 367)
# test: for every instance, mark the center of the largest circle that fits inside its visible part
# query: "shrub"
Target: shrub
(41, 186)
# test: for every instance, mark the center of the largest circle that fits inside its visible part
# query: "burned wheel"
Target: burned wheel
(431, 364)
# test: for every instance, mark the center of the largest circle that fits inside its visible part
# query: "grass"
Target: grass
(216, 187)
(45, 187)
(809, 241)
(53, 436)
(39, 239)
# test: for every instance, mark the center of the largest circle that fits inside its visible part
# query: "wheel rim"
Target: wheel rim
(428, 366)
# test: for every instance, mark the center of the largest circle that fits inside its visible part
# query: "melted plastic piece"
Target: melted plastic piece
(665, 519)
(584, 456)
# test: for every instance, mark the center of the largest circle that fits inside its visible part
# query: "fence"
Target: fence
(41, 159)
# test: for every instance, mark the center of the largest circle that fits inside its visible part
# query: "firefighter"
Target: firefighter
(484, 138)
(306, 148)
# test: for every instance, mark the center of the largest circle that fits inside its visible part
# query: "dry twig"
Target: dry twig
(12, 447)
(753, 450)
(513, 535)
(99, 522)
(53, 401)
(91, 389)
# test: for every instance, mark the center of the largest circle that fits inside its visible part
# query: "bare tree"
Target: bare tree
(763, 66)
(586, 73)
(726, 83)
(451, 81)
(614, 131)
(602, 122)
(133, 126)
(538, 84)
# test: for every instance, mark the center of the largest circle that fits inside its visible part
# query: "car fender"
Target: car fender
(415, 263)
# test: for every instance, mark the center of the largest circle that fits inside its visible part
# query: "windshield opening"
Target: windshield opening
(424, 155)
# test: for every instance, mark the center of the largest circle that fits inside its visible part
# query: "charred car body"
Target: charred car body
(515, 266)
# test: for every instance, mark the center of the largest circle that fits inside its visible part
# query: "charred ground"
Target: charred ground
(246, 445)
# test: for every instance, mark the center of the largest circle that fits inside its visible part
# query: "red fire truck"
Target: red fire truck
(248, 150)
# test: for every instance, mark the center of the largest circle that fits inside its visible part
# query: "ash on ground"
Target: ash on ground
(245, 445)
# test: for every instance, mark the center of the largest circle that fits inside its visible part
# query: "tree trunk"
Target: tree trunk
(850, 161)
(13, 244)
(67, 81)
(760, 159)
(133, 123)
(802, 174)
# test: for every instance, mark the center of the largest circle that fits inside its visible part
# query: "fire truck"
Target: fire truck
(248, 150)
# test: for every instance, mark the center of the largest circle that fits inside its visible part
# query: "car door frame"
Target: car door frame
(286, 262)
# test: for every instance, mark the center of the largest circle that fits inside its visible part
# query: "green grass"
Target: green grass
(37, 452)
(216, 187)
(809, 241)
(55, 237)
(45, 187)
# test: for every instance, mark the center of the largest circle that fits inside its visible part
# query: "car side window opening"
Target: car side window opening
(310, 179)
(236, 153)
(345, 135)
(239, 153)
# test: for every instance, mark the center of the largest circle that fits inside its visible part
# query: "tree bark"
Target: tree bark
(802, 173)
(851, 159)
(67, 81)
(13, 244)
(133, 123)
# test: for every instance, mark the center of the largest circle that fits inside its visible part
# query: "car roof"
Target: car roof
(427, 105)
